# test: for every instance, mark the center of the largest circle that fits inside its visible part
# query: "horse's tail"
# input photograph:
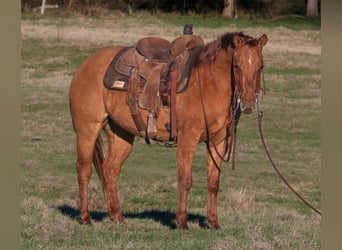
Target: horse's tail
(98, 158)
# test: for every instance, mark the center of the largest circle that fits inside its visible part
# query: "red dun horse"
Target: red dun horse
(226, 70)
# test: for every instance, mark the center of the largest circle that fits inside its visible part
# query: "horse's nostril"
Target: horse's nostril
(247, 107)
(247, 111)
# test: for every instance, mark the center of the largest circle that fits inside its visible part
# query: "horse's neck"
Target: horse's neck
(215, 85)
(220, 73)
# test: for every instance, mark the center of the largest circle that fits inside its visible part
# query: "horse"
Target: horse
(227, 71)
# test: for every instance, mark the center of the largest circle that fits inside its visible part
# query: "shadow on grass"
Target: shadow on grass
(166, 218)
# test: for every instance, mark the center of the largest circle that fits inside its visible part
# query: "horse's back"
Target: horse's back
(93, 68)
(86, 88)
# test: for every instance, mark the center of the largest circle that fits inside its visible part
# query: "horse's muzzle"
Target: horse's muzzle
(247, 106)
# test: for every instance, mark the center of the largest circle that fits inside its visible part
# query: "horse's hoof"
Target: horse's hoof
(118, 218)
(214, 226)
(183, 227)
(121, 221)
(85, 221)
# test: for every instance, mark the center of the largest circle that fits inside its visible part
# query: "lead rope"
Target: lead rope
(260, 115)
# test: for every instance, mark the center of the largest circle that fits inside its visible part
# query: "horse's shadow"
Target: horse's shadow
(166, 218)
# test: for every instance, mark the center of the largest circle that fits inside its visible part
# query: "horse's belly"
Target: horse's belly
(119, 111)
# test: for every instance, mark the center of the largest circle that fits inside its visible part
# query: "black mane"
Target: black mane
(227, 39)
(210, 50)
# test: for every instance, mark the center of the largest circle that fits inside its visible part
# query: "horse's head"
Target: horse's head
(247, 67)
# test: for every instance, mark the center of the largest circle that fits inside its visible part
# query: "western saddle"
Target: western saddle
(152, 72)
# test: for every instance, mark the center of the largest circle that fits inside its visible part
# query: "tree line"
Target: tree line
(228, 8)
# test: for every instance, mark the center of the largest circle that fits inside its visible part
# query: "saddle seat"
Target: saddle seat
(155, 47)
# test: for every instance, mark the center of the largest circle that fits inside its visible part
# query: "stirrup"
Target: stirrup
(151, 126)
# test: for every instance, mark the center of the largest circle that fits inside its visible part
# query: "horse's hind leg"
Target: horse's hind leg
(119, 147)
(85, 149)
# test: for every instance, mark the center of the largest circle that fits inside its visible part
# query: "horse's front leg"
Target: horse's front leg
(214, 162)
(186, 150)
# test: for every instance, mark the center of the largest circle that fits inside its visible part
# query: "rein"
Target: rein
(260, 115)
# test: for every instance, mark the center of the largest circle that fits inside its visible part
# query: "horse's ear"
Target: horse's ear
(262, 40)
(236, 40)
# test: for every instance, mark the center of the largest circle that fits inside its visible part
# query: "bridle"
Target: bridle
(235, 113)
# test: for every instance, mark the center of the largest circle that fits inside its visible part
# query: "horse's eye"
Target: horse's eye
(236, 67)
(261, 67)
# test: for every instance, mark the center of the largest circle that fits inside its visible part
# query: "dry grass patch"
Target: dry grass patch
(49, 224)
(109, 32)
(241, 199)
(32, 164)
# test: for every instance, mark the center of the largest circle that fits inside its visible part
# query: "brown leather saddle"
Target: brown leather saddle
(151, 73)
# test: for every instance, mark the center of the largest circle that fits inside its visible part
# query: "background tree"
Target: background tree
(228, 9)
(312, 8)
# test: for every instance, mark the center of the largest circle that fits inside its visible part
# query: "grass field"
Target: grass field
(256, 210)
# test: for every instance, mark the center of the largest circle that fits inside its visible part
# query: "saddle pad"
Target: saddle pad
(112, 78)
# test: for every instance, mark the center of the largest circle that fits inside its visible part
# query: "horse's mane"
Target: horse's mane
(210, 50)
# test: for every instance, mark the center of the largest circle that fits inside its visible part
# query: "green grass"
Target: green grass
(256, 211)
(293, 71)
